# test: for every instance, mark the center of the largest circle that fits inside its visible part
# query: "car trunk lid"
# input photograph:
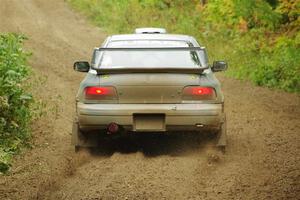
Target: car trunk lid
(149, 88)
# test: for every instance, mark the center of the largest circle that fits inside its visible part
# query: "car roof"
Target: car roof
(123, 37)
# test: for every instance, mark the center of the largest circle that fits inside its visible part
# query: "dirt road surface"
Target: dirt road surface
(262, 160)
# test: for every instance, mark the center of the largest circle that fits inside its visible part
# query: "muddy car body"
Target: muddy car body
(149, 81)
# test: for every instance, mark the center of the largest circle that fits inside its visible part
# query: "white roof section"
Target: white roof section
(152, 34)
(150, 37)
(150, 31)
(147, 43)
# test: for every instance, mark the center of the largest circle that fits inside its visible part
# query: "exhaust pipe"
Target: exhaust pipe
(113, 128)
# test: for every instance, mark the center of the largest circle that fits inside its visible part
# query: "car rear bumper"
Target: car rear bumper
(177, 117)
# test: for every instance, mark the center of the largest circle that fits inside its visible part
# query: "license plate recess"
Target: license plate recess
(149, 122)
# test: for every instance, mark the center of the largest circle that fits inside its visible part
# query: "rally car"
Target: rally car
(149, 81)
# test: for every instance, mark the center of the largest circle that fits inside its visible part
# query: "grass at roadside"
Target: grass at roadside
(259, 39)
(15, 101)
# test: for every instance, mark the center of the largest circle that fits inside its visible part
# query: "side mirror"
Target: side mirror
(219, 66)
(81, 66)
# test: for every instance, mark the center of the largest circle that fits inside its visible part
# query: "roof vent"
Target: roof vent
(150, 31)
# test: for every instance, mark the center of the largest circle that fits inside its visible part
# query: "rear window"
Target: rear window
(149, 58)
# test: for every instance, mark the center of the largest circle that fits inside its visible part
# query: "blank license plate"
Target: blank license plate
(149, 122)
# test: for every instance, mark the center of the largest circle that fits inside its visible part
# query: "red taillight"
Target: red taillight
(203, 91)
(96, 91)
(100, 93)
(199, 93)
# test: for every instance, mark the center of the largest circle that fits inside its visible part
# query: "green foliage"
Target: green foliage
(290, 10)
(276, 67)
(15, 102)
(259, 38)
(135, 13)
(282, 67)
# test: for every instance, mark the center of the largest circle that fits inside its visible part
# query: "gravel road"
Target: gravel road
(262, 160)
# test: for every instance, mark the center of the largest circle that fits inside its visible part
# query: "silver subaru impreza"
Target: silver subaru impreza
(149, 81)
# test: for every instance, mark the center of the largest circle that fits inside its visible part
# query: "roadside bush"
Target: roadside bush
(15, 102)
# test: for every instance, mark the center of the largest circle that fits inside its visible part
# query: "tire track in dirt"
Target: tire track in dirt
(262, 161)
(55, 36)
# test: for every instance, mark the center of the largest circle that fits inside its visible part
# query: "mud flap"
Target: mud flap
(79, 139)
(222, 135)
